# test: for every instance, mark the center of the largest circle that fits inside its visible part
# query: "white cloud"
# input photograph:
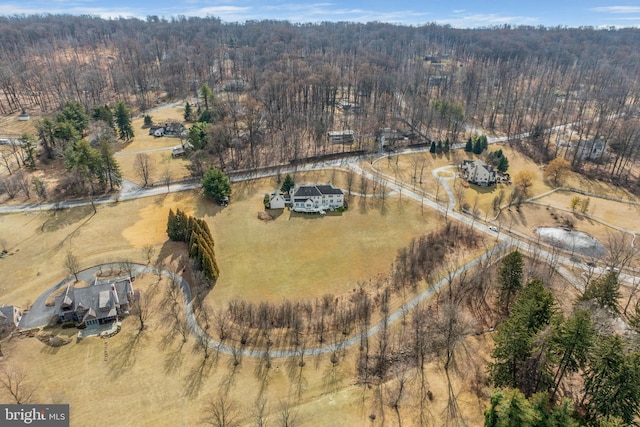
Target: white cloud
(487, 20)
(617, 9)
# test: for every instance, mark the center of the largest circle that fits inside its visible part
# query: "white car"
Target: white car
(494, 229)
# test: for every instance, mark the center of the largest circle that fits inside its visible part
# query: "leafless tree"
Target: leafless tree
(72, 264)
(221, 411)
(148, 251)
(11, 186)
(260, 412)
(141, 307)
(287, 417)
(396, 388)
(144, 167)
(15, 383)
(166, 177)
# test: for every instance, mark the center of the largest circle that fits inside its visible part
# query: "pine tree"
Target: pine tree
(123, 121)
(484, 143)
(469, 146)
(510, 278)
(515, 341)
(605, 291)
(287, 184)
(171, 226)
(477, 147)
(573, 341)
(109, 167)
(503, 164)
(188, 112)
(612, 382)
(432, 149)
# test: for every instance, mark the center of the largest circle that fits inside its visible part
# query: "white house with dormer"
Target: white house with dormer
(313, 198)
(478, 172)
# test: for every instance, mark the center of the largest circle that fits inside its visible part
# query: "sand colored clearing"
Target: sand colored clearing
(619, 214)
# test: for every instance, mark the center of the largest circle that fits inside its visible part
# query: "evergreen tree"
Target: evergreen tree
(188, 112)
(573, 341)
(74, 113)
(123, 121)
(439, 147)
(197, 135)
(181, 226)
(109, 167)
(612, 382)
(477, 147)
(503, 164)
(513, 364)
(510, 408)
(447, 146)
(605, 291)
(484, 143)
(510, 278)
(216, 185)
(287, 184)
(103, 113)
(207, 95)
(469, 146)
(432, 149)
(83, 160)
(172, 226)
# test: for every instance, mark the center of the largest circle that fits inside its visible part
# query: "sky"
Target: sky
(456, 13)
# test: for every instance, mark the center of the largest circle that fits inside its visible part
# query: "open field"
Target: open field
(402, 168)
(175, 386)
(619, 214)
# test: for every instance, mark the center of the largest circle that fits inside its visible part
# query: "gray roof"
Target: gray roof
(315, 190)
(307, 191)
(6, 314)
(328, 189)
(95, 300)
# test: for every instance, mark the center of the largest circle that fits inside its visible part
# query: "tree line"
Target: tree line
(195, 232)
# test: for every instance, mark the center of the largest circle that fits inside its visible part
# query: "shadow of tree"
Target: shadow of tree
(62, 218)
(124, 356)
(196, 377)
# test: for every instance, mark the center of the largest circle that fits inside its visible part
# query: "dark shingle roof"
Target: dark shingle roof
(328, 189)
(307, 191)
(315, 190)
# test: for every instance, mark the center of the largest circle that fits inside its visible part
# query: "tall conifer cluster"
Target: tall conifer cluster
(195, 232)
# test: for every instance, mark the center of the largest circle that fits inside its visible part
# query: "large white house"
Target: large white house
(317, 198)
(478, 172)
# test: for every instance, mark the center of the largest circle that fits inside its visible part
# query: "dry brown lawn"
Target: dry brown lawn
(143, 382)
(619, 214)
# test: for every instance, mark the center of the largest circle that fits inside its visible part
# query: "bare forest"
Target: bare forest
(278, 88)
